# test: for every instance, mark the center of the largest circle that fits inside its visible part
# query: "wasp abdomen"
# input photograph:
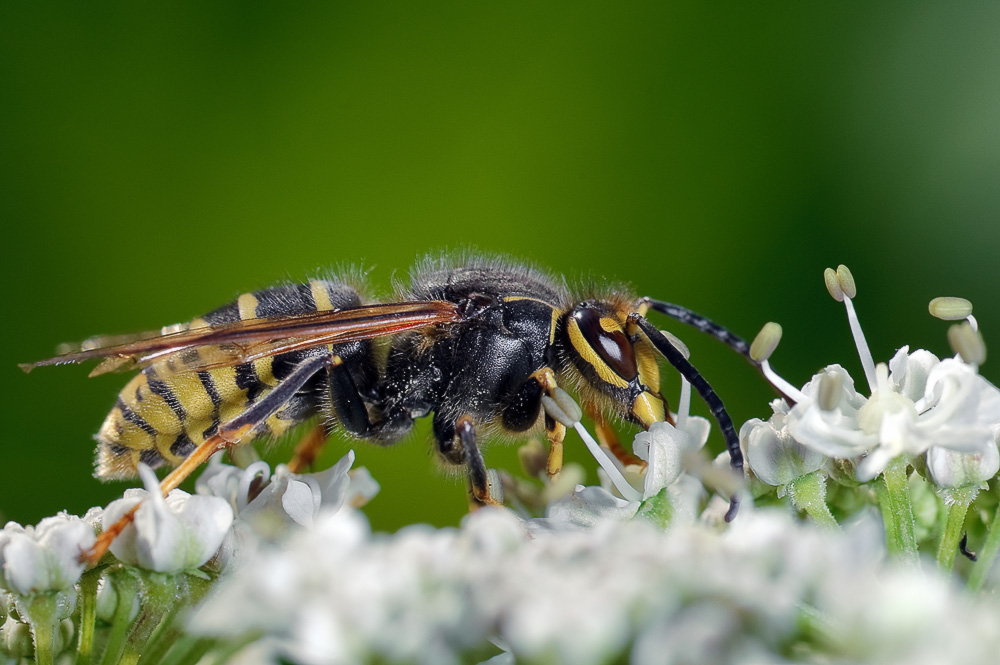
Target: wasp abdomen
(163, 413)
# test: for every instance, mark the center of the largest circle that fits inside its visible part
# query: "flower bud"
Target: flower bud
(774, 456)
(45, 557)
(953, 469)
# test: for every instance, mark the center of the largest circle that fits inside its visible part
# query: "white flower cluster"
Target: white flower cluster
(767, 588)
(917, 404)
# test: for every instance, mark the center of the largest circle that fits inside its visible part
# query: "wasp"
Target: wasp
(483, 346)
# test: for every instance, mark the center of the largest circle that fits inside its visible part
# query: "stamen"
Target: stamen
(562, 408)
(967, 343)
(684, 404)
(833, 285)
(950, 309)
(972, 322)
(784, 387)
(846, 280)
(859, 341)
(829, 391)
(617, 479)
(677, 343)
(765, 342)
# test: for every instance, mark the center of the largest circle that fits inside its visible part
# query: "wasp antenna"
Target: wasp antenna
(705, 325)
(699, 383)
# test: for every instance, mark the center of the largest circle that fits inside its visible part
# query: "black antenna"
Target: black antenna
(715, 405)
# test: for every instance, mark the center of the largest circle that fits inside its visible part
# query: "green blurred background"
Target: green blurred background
(155, 161)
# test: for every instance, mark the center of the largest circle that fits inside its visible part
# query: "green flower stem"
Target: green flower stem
(125, 587)
(188, 650)
(958, 501)
(170, 629)
(160, 591)
(808, 493)
(88, 615)
(987, 555)
(44, 635)
(897, 511)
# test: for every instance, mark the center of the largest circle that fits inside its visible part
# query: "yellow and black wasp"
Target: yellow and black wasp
(475, 343)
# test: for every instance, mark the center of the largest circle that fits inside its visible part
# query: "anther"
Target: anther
(830, 385)
(677, 344)
(765, 342)
(950, 309)
(562, 407)
(846, 280)
(833, 284)
(967, 343)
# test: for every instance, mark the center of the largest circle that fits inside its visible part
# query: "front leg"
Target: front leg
(457, 444)
(522, 414)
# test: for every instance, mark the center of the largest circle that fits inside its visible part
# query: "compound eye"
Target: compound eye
(601, 342)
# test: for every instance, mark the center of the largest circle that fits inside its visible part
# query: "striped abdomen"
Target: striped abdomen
(160, 416)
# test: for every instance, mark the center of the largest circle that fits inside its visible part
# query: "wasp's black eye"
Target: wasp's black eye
(601, 342)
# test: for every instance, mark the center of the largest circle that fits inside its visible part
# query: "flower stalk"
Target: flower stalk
(88, 615)
(808, 494)
(897, 511)
(987, 556)
(958, 501)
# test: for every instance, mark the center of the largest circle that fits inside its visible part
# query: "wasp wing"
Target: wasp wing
(191, 349)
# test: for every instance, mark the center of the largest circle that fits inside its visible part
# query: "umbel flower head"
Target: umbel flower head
(916, 403)
(45, 557)
(169, 534)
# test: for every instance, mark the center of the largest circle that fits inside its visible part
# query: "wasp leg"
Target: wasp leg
(457, 444)
(308, 448)
(636, 323)
(229, 434)
(608, 438)
(522, 414)
(350, 410)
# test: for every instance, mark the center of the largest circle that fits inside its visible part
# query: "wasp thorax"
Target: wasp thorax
(600, 341)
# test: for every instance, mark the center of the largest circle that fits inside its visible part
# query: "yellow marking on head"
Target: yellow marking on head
(552, 326)
(321, 295)
(247, 304)
(590, 356)
(649, 369)
(609, 324)
(649, 409)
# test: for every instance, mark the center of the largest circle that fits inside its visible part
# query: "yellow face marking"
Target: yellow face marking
(609, 324)
(586, 352)
(247, 304)
(649, 370)
(648, 408)
(321, 295)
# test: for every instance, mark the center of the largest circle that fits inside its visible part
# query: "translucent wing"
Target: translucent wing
(183, 349)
